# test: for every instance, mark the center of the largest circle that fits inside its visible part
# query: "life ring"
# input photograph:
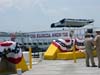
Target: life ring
(11, 51)
(79, 43)
(64, 45)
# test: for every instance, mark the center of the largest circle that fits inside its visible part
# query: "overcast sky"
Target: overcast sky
(37, 15)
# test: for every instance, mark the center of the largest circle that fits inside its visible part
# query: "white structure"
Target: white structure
(43, 39)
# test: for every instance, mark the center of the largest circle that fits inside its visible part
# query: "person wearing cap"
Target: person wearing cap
(89, 50)
(97, 44)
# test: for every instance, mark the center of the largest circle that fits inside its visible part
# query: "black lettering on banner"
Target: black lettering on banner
(43, 35)
(56, 34)
(65, 34)
(33, 36)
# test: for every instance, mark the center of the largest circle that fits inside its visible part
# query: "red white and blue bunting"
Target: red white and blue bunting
(64, 45)
(79, 43)
(11, 51)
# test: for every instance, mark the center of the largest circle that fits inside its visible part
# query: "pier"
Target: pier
(61, 67)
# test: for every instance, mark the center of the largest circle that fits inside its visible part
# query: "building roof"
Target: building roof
(72, 23)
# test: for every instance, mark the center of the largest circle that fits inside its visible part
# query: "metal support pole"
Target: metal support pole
(30, 57)
(74, 55)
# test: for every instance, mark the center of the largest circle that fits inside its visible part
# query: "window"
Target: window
(34, 43)
(24, 43)
(40, 43)
(29, 43)
(45, 43)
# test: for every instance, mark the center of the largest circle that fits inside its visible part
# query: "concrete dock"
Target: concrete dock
(62, 67)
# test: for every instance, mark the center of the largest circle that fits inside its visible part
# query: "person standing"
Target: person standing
(97, 44)
(89, 50)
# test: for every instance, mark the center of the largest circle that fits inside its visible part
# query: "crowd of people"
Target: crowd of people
(92, 43)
